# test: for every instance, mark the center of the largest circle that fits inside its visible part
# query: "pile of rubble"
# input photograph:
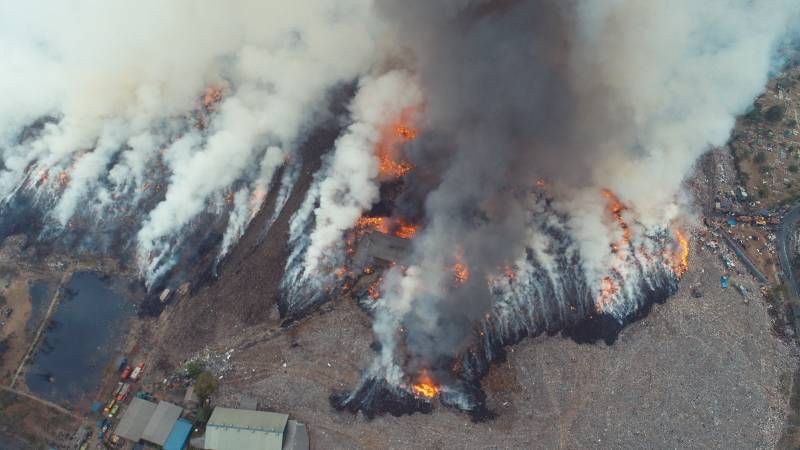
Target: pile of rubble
(217, 363)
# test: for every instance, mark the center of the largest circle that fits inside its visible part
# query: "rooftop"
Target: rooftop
(239, 429)
(178, 436)
(247, 419)
(135, 419)
(160, 425)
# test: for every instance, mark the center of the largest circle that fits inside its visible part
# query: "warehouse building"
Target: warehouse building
(135, 419)
(161, 423)
(240, 429)
(153, 423)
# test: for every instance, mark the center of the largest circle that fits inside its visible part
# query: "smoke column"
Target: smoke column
(551, 140)
(587, 96)
(159, 113)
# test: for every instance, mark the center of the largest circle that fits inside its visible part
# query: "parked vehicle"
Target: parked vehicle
(118, 388)
(137, 372)
(122, 362)
(123, 393)
(114, 411)
(125, 373)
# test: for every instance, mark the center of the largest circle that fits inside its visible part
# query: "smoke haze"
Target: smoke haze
(120, 86)
(551, 140)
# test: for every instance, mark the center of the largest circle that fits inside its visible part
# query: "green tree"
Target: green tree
(793, 168)
(761, 157)
(205, 385)
(194, 369)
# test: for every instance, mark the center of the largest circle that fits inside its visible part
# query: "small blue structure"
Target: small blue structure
(179, 435)
(732, 221)
(96, 407)
(723, 282)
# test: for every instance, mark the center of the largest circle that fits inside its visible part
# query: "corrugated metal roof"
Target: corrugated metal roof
(135, 419)
(239, 429)
(179, 435)
(296, 437)
(243, 418)
(164, 417)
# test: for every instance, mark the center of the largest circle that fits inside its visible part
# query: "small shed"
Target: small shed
(190, 399)
(179, 435)
(160, 425)
(135, 419)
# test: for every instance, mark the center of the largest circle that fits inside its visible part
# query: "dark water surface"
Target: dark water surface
(81, 338)
(41, 293)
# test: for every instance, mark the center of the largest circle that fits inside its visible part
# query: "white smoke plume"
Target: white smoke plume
(350, 184)
(120, 88)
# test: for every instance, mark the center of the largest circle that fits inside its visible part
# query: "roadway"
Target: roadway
(788, 225)
(791, 433)
(740, 253)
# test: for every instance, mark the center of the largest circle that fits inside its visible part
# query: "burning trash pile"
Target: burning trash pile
(504, 168)
(534, 210)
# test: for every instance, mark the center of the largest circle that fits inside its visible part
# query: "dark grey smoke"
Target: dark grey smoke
(586, 95)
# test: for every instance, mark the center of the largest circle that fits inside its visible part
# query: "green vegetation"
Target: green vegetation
(793, 168)
(194, 369)
(761, 157)
(763, 192)
(775, 114)
(205, 385)
(203, 414)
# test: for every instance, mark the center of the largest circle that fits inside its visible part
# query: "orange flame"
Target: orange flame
(386, 225)
(680, 260)
(372, 223)
(425, 387)
(212, 96)
(616, 208)
(508, 271)
(461, 272)
(391, 164)
(460, 269)
(374, 290)
(608, 290)
(406, 230)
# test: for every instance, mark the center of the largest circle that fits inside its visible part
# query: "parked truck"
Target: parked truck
(123, 393)
(137, 372)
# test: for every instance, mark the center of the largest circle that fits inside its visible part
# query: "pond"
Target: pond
(41, 293)
(81, 338)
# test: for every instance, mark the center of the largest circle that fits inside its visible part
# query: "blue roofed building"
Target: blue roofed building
(179, 435)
